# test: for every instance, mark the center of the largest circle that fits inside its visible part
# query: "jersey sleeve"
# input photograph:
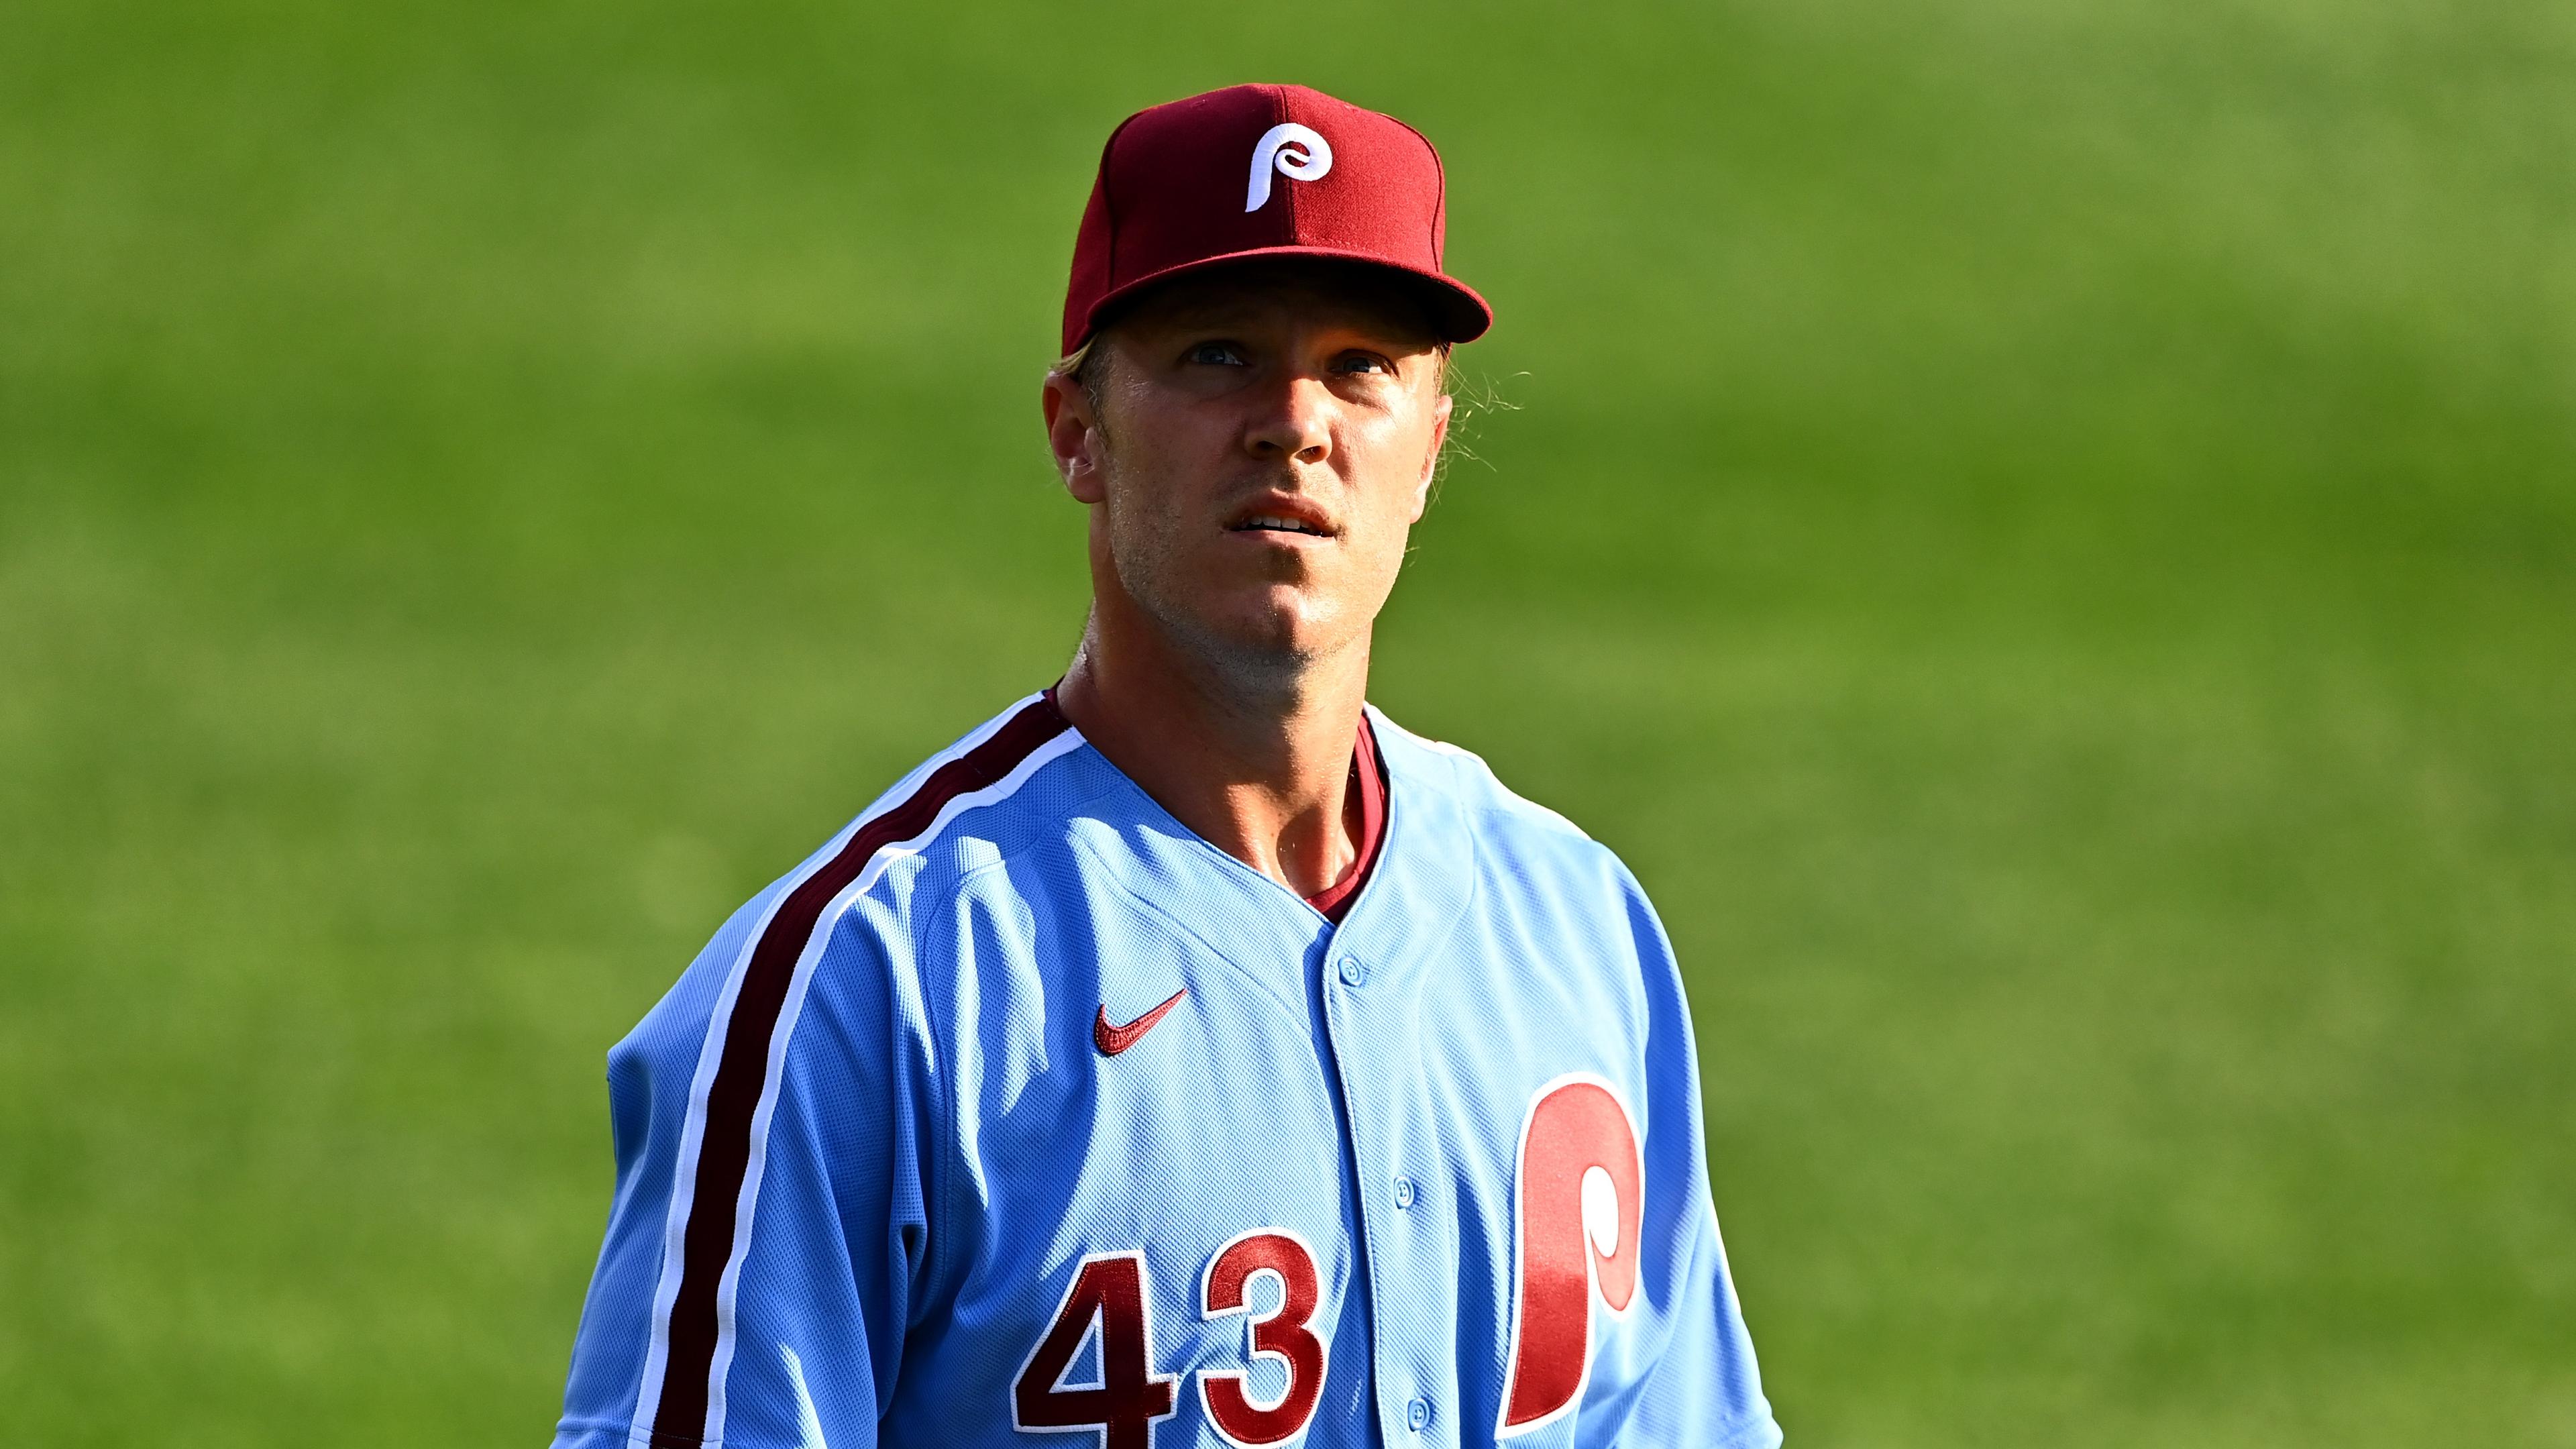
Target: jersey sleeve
(1702, 1386)
(761, 1303)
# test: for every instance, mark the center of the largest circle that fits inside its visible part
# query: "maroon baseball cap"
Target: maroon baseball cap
(1252, 172)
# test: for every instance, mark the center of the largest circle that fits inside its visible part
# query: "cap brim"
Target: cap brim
(1456, 310)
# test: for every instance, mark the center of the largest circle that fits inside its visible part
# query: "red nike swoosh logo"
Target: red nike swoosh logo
(1115, 1039)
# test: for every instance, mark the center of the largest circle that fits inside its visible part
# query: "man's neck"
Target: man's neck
(1262, 773)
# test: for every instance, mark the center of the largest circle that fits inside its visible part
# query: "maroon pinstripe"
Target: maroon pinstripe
(742, 1072)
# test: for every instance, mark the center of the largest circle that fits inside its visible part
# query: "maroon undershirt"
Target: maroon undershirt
(1368, 776)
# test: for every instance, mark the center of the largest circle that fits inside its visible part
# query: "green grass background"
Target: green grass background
(2046, 534)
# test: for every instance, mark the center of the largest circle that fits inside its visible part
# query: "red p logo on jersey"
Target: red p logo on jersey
(1578, 1203)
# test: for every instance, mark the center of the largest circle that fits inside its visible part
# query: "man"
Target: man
(1189, 1055)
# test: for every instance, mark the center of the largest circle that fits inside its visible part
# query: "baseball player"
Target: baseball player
(1189, 1055)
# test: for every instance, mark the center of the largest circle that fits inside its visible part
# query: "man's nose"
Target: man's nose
(1296, 422)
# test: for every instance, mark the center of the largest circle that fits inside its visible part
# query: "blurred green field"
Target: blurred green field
(2046, 534)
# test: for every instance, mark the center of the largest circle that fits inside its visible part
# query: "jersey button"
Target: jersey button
(1417, 1414)
(1403, 1191)
(1353, 973)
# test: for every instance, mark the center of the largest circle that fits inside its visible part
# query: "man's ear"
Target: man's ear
(1431, 459)
(1073, 435)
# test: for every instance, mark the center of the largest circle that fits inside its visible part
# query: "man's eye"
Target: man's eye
(1362, 362)
(1216, 354)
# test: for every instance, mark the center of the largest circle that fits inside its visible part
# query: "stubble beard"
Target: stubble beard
(1250, 660)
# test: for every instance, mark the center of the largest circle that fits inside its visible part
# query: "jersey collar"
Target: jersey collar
(1420, 884)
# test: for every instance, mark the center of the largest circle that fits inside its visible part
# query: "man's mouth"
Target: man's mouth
(1278, 523)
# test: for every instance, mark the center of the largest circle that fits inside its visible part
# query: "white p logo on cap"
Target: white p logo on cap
(1297, 153)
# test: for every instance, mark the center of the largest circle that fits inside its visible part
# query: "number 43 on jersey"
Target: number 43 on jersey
(1109, 1292)
(1581, 1192)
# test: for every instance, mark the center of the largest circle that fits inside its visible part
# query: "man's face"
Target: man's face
(1264, 441)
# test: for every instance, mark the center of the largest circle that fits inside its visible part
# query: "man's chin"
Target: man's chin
(1266, 629)
(1268, 640)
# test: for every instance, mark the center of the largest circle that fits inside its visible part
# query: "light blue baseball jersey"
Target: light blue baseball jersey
(1019, 1115)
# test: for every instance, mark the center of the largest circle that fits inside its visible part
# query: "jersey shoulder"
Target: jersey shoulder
(1465, 777)
(1521, 847)
(1502, 819)
(1011, 783)
(1031, 805)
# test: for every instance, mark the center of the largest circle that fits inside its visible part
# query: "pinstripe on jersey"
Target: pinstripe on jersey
(710, 1221)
